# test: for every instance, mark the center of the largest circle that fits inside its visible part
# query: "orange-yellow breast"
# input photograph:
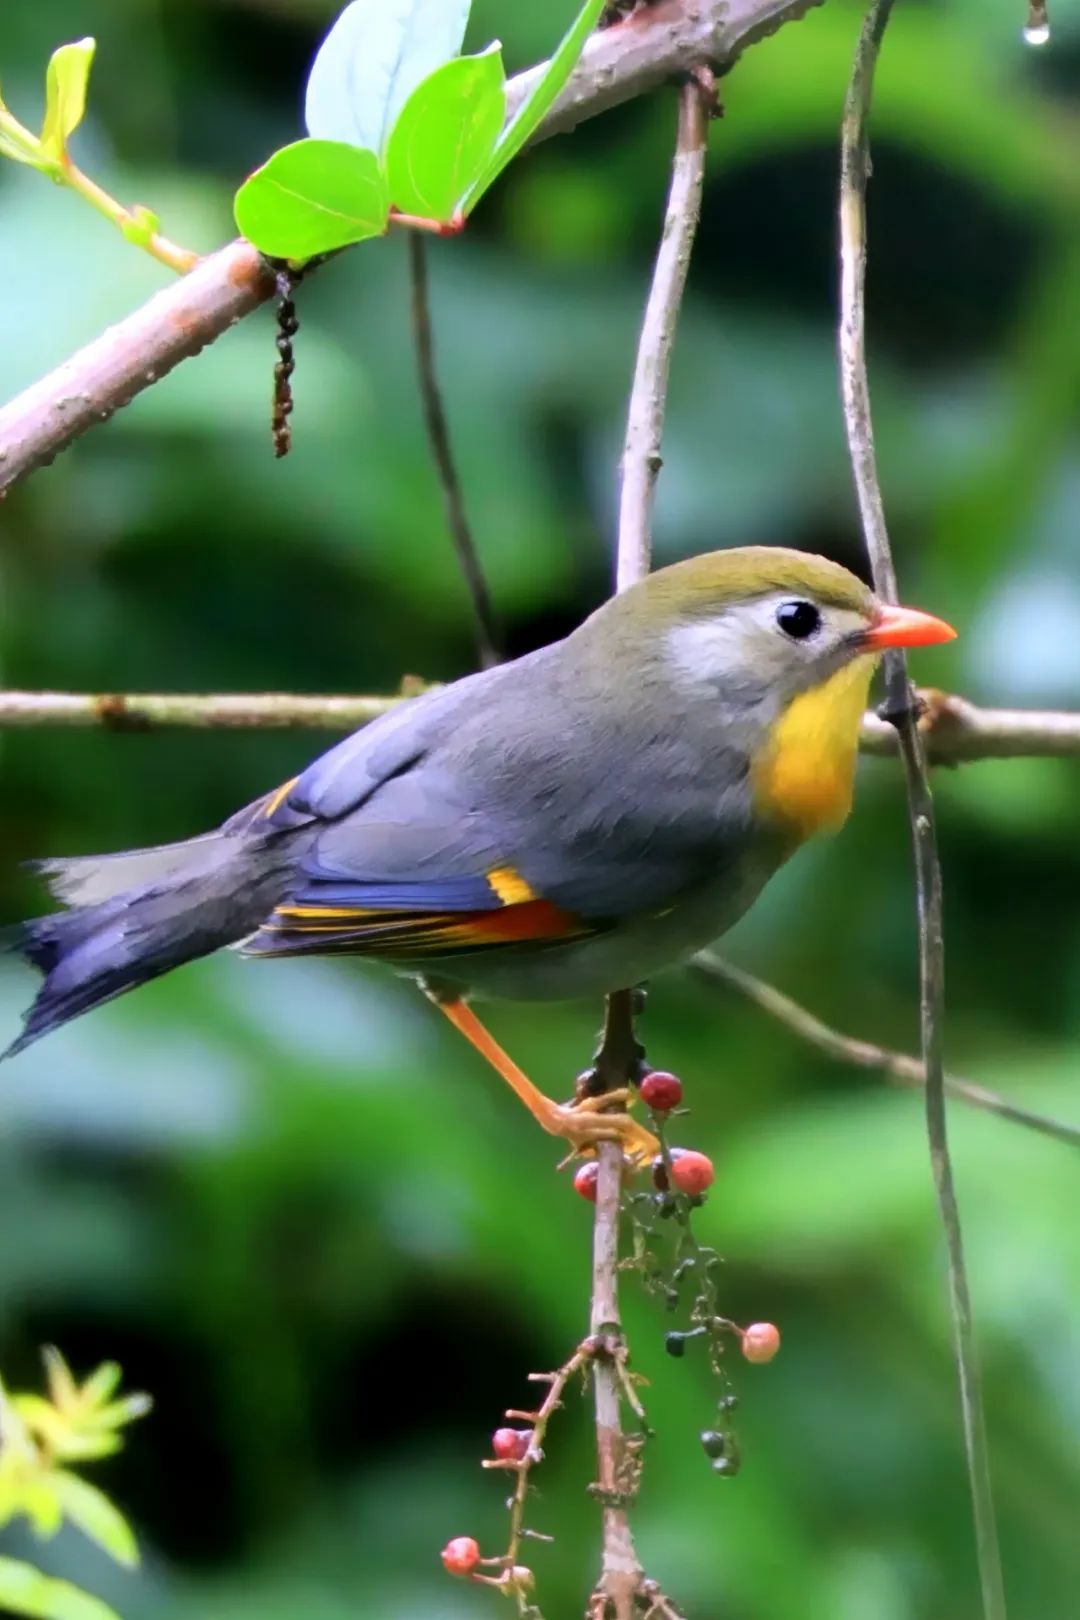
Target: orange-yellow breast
(805, 776)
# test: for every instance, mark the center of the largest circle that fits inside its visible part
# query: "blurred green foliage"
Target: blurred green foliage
(280, 1194)
(75, 1423)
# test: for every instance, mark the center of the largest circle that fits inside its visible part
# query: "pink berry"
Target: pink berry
(510, 1445)
(692, 1172)
(461, 1556)
(585, 1181)
(661, 1091)
(761, 1341)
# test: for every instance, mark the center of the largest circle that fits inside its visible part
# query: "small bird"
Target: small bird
(561, 826)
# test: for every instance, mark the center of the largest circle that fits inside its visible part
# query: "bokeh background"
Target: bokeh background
(282, 1195)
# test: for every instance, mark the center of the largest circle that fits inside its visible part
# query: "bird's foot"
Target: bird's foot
(584, 1122)
(591, 1120)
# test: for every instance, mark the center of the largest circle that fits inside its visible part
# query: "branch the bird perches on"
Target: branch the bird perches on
(955, 731)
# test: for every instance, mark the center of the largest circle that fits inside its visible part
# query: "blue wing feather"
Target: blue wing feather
(422, 894)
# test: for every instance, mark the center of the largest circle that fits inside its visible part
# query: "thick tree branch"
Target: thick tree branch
(617, 64)
(175, 324)
(855, 170)
(897, 1066)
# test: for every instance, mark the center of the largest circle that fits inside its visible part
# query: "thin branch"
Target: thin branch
(855, 168)
(225, 711)
(621, 1572)
(955, 732)
(622, 1575)
(898, 1066)
(438, 432)
(522, 1467)
(641, 460)
(617, 64)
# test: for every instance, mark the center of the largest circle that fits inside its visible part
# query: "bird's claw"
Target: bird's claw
(592, 1120)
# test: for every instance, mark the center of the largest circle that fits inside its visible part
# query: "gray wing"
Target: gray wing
(417, 810)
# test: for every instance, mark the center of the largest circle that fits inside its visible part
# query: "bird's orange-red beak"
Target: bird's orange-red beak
(906, 627)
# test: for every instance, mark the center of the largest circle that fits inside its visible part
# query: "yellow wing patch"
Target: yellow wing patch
(278, 797)
(509, 887)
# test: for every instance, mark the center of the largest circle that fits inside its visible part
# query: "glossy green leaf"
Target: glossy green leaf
(543, 97)
(372, 59)
(446, 134)
(312, 197)
(25, 1590)
(94, 1514)
(65, 94)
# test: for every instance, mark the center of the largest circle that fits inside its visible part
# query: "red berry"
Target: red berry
(761, 1341)
(461, 1556)
(693, 1172)
(511, 1444)
(660, 1090)
(585, 1180)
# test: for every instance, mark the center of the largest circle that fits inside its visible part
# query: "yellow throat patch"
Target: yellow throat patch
(805, 775)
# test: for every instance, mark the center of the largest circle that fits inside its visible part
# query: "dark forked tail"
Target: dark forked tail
(134, 916)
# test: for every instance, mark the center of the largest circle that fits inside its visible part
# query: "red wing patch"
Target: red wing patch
(297, 930)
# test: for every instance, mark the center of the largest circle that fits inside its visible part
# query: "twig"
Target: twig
(901, 712)
(522, 1467)
(641, 460)
(438, 432)
(149, 711)
(132, 223)
(898, 1066)
(955, 732)
(617, 64)
(621, 1572)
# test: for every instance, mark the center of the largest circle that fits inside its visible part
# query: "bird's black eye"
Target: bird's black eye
(798, 619)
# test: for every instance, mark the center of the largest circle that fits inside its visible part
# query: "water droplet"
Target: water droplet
(1037, 27)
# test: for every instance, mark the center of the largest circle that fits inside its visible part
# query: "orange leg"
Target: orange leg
(581, 1124)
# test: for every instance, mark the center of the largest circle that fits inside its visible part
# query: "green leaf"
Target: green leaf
(41, 1416)
(312, 197)
(94, 1514)
(543, 97)
(39, 1503)
(19, 145)
(104, 1381)
(118, 1412)
(372, 59)
(63, 1390)
(25, 1590)
(446, 134)
(65, 95)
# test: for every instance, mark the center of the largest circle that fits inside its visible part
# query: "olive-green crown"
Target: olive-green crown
(701, 585)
